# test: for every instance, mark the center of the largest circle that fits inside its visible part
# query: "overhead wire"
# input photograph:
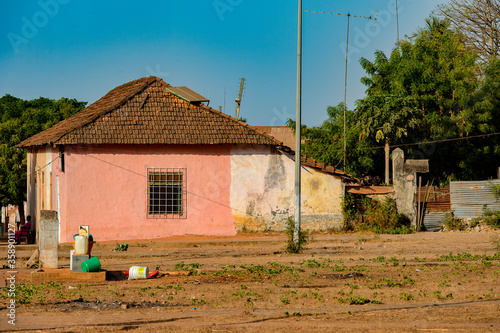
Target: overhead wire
(43, 167)
(424, 142)
(89, 149)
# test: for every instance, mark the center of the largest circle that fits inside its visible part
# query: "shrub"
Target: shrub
(348, 211)
(383, 218)
(121, 247)
(453, 223)
(491, 218)
(290, 232)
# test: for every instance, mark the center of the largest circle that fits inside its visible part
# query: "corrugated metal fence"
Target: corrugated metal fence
(466, 199)
(469, 198)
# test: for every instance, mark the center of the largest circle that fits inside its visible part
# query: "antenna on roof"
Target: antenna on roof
(238, 100)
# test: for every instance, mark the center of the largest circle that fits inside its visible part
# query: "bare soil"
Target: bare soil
(423, 282)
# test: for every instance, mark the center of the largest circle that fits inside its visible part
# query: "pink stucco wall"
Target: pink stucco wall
(105, 187)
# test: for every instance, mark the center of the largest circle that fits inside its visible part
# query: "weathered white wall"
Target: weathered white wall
(262, 192)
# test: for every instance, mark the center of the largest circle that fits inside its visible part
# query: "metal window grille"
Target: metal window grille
(167, 193)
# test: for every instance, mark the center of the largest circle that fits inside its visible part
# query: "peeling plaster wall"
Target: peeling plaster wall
(39, 182)
(262, 192)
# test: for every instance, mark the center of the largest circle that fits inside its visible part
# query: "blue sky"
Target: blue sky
(83, 49)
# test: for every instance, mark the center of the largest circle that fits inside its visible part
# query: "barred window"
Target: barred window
(167, 193)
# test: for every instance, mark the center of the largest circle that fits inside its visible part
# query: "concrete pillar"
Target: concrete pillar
(48, 239)
(404, 186)
(405, 183)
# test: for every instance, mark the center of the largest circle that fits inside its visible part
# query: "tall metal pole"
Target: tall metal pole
(346, 60)
(397, 21)
(296, 231)
(345, 84)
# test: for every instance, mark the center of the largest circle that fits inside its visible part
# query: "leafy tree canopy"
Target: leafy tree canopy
(325, 143)
(427, 90)
(19, 120)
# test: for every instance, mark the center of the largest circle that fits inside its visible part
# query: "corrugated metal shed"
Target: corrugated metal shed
(433, 221)
(468, 198)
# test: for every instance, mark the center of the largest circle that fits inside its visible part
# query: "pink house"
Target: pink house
(149, 160)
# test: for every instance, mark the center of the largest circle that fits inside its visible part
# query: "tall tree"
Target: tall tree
(427, 90)
(481, 117)
(420, 92)
(325, 143)
(19, 120)
(478, 21)
(377, 119)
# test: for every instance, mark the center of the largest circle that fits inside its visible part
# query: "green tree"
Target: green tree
(481, 117)
(19, 120)
(427, 90)
(378, 120)
(325, 143)
(421, 93)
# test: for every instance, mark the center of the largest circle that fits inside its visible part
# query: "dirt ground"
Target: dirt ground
(423, 282)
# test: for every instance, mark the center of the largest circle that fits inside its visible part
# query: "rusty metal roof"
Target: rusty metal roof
(370, 190)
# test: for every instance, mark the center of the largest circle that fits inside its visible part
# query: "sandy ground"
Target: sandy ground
(425, 282)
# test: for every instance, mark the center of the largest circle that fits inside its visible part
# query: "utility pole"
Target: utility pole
(346, 60)
(238, 100)
(296, 231)
(345, 84)
(397, 22)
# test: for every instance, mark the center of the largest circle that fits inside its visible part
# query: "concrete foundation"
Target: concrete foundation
(48, 239)
(67, 275)
(76, 262)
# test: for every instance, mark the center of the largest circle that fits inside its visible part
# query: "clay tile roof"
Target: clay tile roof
(144, 112)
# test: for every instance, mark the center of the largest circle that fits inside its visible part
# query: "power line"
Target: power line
(351, 149)
(425, 142)
(90, 148)
(339, 14)
(43, 167)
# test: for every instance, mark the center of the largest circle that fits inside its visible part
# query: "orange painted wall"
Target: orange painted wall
(105, 187)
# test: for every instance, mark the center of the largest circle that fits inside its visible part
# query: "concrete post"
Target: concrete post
(404, 186)
(405, 183)
(48, 239)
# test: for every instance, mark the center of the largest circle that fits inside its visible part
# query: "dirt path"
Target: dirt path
(425, 282)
